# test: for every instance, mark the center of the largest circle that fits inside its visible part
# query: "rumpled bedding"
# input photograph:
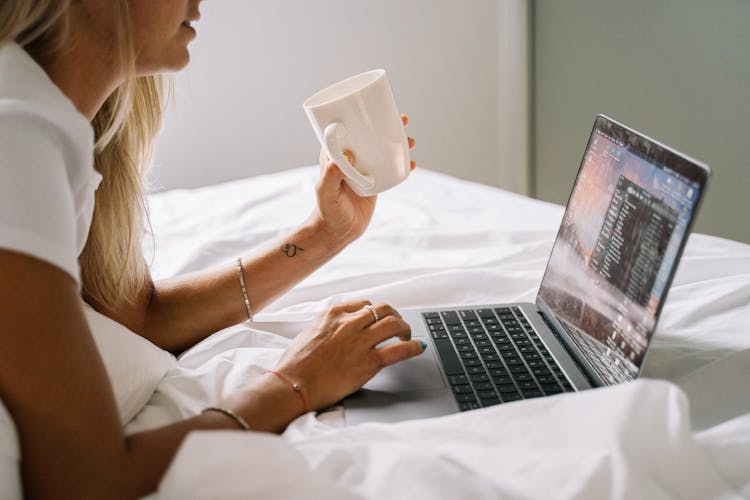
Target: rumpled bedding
(681, 431)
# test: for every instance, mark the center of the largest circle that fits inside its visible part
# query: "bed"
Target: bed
(682, 431)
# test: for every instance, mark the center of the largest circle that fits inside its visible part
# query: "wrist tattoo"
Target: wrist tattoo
(290, 249)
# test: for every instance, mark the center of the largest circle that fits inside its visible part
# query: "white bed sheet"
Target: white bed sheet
(436, 240)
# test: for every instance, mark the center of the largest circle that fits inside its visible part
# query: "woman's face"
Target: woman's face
(162, 32)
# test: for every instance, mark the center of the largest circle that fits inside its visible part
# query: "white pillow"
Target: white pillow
(10, 457)
(135, 366)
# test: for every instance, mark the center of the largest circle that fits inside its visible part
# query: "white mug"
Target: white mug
(359, 114)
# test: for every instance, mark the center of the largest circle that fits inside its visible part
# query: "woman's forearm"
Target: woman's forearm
(184, 310)
(267, 405)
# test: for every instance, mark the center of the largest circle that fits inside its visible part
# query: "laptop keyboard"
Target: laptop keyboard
(493, 356)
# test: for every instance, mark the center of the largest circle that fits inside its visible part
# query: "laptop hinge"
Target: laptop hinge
(568, 345)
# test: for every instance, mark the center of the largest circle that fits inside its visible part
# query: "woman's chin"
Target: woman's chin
(175, 62)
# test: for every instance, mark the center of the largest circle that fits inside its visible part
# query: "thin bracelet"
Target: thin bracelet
(229, 413)
(244, 290)
(295, 387)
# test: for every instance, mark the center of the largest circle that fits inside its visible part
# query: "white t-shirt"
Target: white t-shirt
(47, 184)
(47, 179)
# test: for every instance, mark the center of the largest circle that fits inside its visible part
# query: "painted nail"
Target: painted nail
(424, 345)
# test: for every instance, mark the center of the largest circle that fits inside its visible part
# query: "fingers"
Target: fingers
(349, 156)
(350, 306)
(412, 142)
(365, 318)
(400, 351)
(331, 176)
(387, 328)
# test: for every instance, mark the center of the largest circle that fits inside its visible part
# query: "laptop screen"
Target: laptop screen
(620, 238)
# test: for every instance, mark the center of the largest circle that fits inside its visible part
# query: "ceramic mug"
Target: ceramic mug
(360, 115)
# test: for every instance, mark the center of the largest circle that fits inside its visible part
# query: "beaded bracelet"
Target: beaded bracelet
(244, 290)
(229, 413)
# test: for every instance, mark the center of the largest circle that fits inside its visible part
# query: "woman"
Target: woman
(80, 71)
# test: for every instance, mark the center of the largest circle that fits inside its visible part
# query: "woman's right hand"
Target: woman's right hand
(338, 351)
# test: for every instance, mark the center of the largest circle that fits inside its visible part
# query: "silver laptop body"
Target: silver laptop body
(625, 226)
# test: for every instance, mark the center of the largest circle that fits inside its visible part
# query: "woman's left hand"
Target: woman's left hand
(341, 212)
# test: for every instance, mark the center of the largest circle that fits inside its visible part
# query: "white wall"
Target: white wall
(238, 109)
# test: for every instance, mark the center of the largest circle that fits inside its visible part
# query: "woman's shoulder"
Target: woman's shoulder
(38, 121)
(29, 98)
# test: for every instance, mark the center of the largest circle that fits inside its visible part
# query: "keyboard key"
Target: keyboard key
(490, 402)
(518, 369)
(485, 313)
(439, 328)
(465, 348)
(462, 389)
(502, 310)
(487, 394)
(527, 385)
(546, 379)
(468, 406)
(474, 368)
(458, 379)
(522, 377)
(450, 317)
(467, 315)
(479, 377)
(495, 364)
(528, 394)
(456, 328)
(472, 322)
(502, 379)
(466, 398)
(498, 372)
(429, 315)
(469, 355)
(484, 386)
(462, 341)
(551, 388)
(506, 388)
(439, 335)
(540, 371)
(451, 363)
(490, 356)
(472, 362)
(508, 397)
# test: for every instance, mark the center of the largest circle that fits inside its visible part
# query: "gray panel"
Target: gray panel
(678, 71)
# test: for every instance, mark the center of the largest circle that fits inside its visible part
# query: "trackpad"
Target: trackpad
(421, 372)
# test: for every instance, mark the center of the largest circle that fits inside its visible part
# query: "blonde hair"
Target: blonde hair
(113, 269)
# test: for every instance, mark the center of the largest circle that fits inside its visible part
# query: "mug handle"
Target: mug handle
(332, 138)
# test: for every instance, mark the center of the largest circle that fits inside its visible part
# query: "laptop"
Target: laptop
(628, 217)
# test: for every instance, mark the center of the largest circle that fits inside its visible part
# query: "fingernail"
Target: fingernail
(424, 345)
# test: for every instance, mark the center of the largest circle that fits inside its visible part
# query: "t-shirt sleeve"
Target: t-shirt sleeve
(37, 209)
